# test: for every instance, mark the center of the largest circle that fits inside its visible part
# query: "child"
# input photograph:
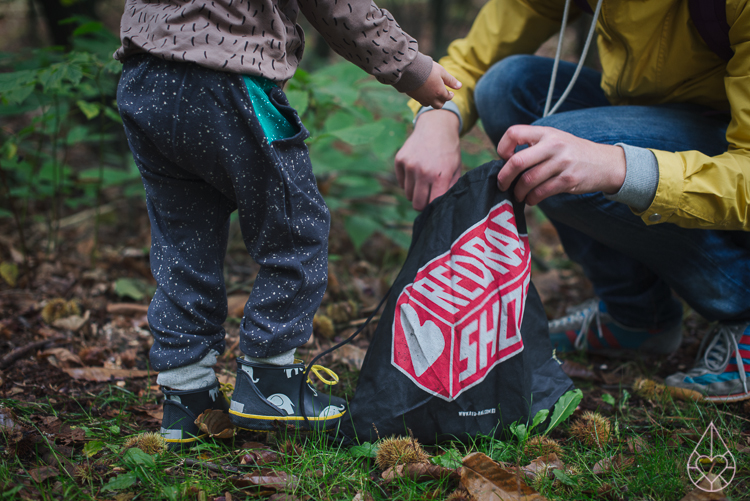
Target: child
(212, 132)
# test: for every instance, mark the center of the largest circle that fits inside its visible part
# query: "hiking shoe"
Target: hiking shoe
(268, 393)
(182, 408)
(589, 327)
(720, 372)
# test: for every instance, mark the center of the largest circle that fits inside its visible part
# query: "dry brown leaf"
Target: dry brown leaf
(61, 358)
(351, 355)
(701, 494)
(266, 479)
(363, 496)
(419, 472)
(216, 423)
(577, 370)
(44, 473)
(543, 466)
(236, 304)
(73, 322)
(485, 479)
(614, 463)
(260, 457)
(102, 374)
(637, 445)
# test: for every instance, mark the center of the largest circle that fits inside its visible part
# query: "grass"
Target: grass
(101, 469)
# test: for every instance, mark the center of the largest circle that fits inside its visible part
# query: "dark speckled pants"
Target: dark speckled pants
(203, 154)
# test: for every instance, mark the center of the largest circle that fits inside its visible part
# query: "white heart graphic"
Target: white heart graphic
(425, 341)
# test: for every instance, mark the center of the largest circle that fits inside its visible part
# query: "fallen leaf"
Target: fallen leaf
(236, 305)
(577, 370)
(419, 472)
(102, 374)
(543, 466)
(614, 463)
(351, 355)
(73, 322)
(44, 473)
(93, 355)
(485, 479)
(267, 479)
(128, 357)
(637, 445)
(9, 272)
(260, 457)
(700, 494)
(60, 357)
(363, 496)
(216, 423)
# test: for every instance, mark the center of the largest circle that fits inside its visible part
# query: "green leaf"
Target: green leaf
(16, 80)
(365, 450)
(120, 482)
(91, 448)
(519, 430)
(539, 418)
(608, 399)
(564, 478)
(90, 27)
(299, 99)
(624, 399)
(360, 228)
(133, 288)
(359, 134)
(91, 110)
(5, 213)
(114, 429)
(564, 408)
(451, 459)
(135, 457)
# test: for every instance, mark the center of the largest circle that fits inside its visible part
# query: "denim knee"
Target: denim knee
(509, 93)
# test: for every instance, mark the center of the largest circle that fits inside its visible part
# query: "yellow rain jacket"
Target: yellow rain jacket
(650, 53)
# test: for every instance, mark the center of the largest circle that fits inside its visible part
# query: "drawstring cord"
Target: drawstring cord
(315, 369)
(589, 37)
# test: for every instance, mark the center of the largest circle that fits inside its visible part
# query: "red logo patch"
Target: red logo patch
(462, 314)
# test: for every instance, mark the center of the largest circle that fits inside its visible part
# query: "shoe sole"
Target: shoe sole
(256, 422)
(687, 394)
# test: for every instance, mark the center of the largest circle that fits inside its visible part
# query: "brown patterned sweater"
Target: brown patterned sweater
(262, 38)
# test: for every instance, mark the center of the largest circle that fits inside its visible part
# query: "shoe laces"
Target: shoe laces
(317, 369)
(226, 389)
(583, 314)
(719, 346)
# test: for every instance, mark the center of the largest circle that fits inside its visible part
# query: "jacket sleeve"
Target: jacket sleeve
(369, 37)
(699, 191)
(501, 29)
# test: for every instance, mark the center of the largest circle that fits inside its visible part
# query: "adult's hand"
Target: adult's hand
(429, 162)
(557, 162)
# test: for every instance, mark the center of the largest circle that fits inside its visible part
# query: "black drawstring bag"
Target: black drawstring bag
(462, 347)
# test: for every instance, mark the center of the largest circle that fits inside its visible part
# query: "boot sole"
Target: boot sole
(256, 422)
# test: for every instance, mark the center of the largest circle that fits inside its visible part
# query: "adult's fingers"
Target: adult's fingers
(421, 194)
(409, 181)
(400, 171)
(517, 135)
(521, 162)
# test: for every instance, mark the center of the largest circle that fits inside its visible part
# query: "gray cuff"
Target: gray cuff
(286, 358)
(641, 178)
(448, 106)
(191, 377)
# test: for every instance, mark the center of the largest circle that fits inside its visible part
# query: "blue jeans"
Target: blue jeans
(202, 154)
(633, 267)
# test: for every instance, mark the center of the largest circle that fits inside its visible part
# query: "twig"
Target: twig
(22, 351)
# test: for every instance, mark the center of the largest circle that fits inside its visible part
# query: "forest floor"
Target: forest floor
(75, 388)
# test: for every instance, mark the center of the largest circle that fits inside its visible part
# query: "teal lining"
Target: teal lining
(274, 124)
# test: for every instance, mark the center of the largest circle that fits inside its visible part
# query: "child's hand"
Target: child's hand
(433, 92)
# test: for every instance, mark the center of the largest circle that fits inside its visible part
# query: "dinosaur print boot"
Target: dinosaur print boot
(182, 407)
(264, 394)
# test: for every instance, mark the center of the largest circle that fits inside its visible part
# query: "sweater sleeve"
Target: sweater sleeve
(369, 37)
(501, 29)
(701, 191)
